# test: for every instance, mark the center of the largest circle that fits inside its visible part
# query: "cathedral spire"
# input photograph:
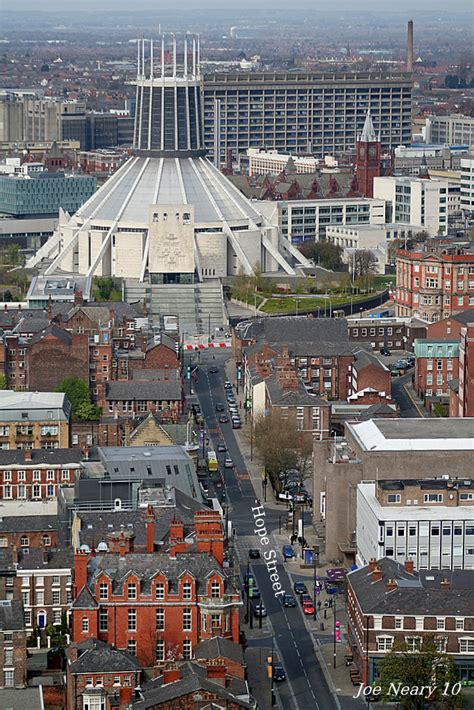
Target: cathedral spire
(368, 132)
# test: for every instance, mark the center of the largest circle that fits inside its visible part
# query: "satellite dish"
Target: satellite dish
(85, 548)
(102, 547)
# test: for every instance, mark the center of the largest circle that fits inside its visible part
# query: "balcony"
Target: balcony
(218, 603)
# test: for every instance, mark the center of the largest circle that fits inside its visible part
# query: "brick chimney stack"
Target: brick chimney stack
(377, 574)
(409, 566)
(150, 529)
(216, 671)
(80, 571)
(391, 585)
(445, 584)
(28, 454)
(171, 674)
(209, 534)
(372, 564)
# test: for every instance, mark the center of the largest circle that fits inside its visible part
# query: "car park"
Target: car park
(300, 588)
(223, 419)
(288, 552)
(289, 600)
(228, 463)
(254, 554)
(278, 672)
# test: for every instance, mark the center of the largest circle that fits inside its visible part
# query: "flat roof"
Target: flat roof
(414, 434)
(414, 512)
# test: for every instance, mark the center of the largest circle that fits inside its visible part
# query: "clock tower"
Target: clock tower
(368, 158)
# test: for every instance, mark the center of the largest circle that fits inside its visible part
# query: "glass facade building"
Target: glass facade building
(44, 194)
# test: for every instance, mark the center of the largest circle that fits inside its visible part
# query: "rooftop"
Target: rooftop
(95, 656)
(11, 615)
(34, 406)
(414, 434)
(41, 457)
(414, 512)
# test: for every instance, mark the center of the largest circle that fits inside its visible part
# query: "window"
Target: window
(187, 649)
(440, 624)
(393, 498)
(459, 624)
(27, 617)
(56, 579)
(8, 657)
(116, 680)
(187, 620)
(215, 590)
(466, 645)
(103, 590)
(160, 650)
(419, 622)
(56, 595)
(39, 597)
(21, 476)
(399, 622)
(413, 643)
(132, 620)
(36, 475)
(103, 620)
(132, 647)
(7, 491)
(160, 591)
(85, 625)
(132, 591)
(433, 497)
(187, 590)
(89, 682)
(9, 679)
(50, 490)
(21, 491)
(56, 616)
(384, 643)
(440, 644)
(65, 475)
(160, 619)
(99, 681)
(36, 491)
(50, 475)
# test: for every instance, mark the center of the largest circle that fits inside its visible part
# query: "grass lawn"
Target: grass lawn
(288, 305)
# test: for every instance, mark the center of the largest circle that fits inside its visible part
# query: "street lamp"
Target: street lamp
(335, 629)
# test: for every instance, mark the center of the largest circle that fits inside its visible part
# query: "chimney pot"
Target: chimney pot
(445, 583)
(372, 564)
(391, 585)
(28, 454)
(377, 575)
(409, 566)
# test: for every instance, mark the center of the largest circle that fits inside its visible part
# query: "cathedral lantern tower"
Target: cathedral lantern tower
(368, 158)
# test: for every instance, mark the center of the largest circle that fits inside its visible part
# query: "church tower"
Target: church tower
(368, 158)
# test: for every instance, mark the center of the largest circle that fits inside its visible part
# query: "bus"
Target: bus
(212, 464)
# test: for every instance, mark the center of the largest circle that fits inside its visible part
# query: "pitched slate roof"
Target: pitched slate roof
(52, 330)
(11, 615)
(193, 678)
(58, 558)
(98, 657)
(28, 523)
(62, 457)
(218, 647)
(85, 600)
(136, 390)
(291, 329)
(419, 593)
(291, 398)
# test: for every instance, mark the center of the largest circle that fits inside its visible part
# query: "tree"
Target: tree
(3, 382)
(276, 442)
(328, 255)
(363, 263)
(13, 252)
(77, 392)
(425, 667)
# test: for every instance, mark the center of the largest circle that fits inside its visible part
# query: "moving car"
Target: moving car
(288, 552)
(254, 554)
(228, 463)
(259, 610)
(304, 598)
(221, 446)
(223, 419)
(278, 672)
(300, 588)
(213, 370)
(308, 608)
(219, 407)
(289, 600)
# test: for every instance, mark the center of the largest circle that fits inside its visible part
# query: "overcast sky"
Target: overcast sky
(385, 6)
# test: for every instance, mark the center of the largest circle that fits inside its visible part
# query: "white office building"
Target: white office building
(467, 183)
(429, 521)
(418, 201)
(455, 129)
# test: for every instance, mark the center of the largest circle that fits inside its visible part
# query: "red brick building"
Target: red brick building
(36, 474)
(100, 676)
(437, 364)
(462, 393)
(435, 283)
(54, 354)
(368, 158)
(12, 645)
(157, 606)
(388, 603)
(29, 531)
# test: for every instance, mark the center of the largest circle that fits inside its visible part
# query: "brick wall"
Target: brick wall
(51, 360)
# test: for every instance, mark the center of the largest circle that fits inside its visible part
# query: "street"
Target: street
(306, 685)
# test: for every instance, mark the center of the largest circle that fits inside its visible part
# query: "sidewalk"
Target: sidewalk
(418, 403)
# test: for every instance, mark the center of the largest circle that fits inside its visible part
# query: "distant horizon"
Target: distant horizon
(402, 6)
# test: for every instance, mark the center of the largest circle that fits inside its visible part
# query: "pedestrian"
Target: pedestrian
(240, 404)
(330, 603)
(319, 605)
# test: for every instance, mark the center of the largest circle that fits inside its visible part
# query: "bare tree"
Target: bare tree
(364, 263)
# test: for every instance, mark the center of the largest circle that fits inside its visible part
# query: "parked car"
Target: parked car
(304, 598)
(278, 672)
(223, 419)
(228, 463)
(259, 610)
(288, 552)
(308, 608)
(300, 588)
(289, 600)
(236, 424)
(228, 385)
(254, 554)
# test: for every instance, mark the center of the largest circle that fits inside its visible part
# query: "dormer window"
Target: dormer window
(187, 590)
(103, 590)
(132, 591)
(215, 589)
